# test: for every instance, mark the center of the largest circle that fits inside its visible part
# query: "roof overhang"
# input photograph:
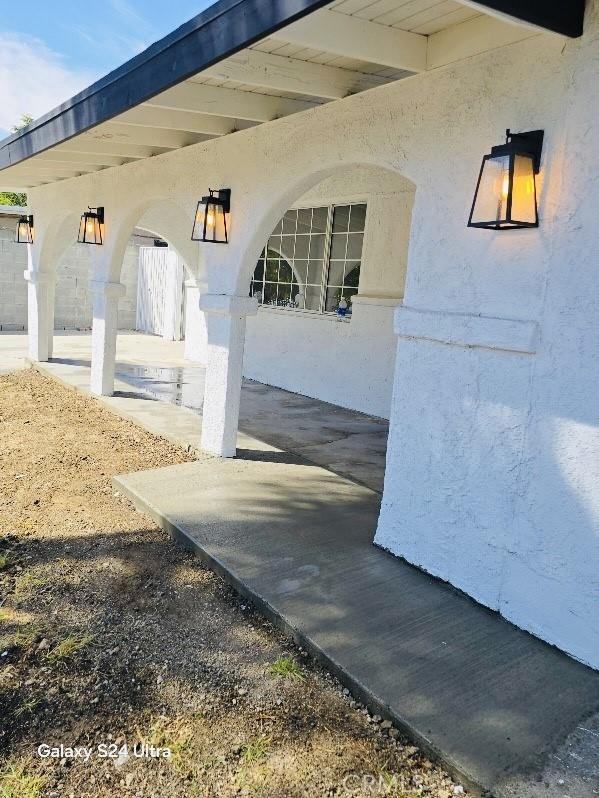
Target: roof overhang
(242, 62)
(558, 16)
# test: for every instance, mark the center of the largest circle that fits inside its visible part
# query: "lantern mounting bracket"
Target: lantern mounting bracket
(223, 196)
(99, 213)
(530, 143)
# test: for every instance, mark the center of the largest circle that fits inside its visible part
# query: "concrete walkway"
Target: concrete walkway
(500, 708)
(148, 368)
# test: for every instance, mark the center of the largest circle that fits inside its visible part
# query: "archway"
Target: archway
(349, 227)
(344, 241)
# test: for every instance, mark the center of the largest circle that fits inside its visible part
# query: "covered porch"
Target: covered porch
(313, 166)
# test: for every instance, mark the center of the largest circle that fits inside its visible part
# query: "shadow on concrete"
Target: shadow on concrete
(491, 701)
(259, 456)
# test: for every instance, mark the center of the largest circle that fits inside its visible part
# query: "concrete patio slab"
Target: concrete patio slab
(157, 388)
(500, 708)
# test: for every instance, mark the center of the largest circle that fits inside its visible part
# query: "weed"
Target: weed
(255, 750)
(392, 785)
(27, 707)
(4, 560)
(68, 647)
(178, 736)
(16, 783)
(8, 678)
(286, 668)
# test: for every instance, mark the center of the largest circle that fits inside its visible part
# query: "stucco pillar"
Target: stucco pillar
(40, 313)
(195, 325)
(104, 331)
(51, 303)
(225, 321)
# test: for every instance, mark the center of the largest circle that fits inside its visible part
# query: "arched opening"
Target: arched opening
(328, 278)
(72, 264)
(155, 234)
(319, 356)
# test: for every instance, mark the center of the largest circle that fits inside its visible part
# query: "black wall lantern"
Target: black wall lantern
(212, 215)
(506, 192)
(90, 226)
(24, 231)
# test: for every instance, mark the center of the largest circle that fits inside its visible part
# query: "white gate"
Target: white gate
(159, 292)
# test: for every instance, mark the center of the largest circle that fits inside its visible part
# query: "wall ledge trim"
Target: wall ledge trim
(382, 301)
(467, 330)
(229, 304)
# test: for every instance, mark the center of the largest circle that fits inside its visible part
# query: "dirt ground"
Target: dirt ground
(116, 641)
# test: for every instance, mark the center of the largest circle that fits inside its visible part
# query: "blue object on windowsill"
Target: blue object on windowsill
(342, 307)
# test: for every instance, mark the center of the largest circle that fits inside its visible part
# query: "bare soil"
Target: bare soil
(112, 634)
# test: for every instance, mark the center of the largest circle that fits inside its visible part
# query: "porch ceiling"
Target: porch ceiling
(244, 62)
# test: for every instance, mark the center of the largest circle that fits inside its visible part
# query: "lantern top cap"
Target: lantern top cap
(529, 143)
(219, 196)
(97, 212)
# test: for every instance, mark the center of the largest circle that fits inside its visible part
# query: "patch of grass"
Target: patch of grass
(286, 668)
(254, 781)
(8, 678)
(14, 617)
(29, 583)
(15, 782)
(26, 637)
(68, 647)
(4, 560)
(25, 634)
(178, 735)
(27, 707)
(255, 750)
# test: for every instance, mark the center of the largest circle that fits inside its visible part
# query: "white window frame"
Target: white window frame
(325, 269)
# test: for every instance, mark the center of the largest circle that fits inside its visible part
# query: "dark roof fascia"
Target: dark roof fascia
(560, 16)
(221, 30)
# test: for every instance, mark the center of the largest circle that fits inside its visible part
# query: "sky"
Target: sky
(51, 49)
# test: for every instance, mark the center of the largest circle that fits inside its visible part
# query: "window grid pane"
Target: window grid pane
(347, 237)
(312, 259)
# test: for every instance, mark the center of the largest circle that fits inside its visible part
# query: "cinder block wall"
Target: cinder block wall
(13, 289)
(72, 309)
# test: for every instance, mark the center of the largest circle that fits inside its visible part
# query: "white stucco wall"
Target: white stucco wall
(492, 476)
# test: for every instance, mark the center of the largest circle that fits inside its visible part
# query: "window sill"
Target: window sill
(305, 314)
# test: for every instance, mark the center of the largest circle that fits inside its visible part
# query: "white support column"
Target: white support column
(225, 319)
(104, 331)
(40, 313)
(195, 325)
(51, 301)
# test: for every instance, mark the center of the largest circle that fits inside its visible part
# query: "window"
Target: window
(312, 259)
